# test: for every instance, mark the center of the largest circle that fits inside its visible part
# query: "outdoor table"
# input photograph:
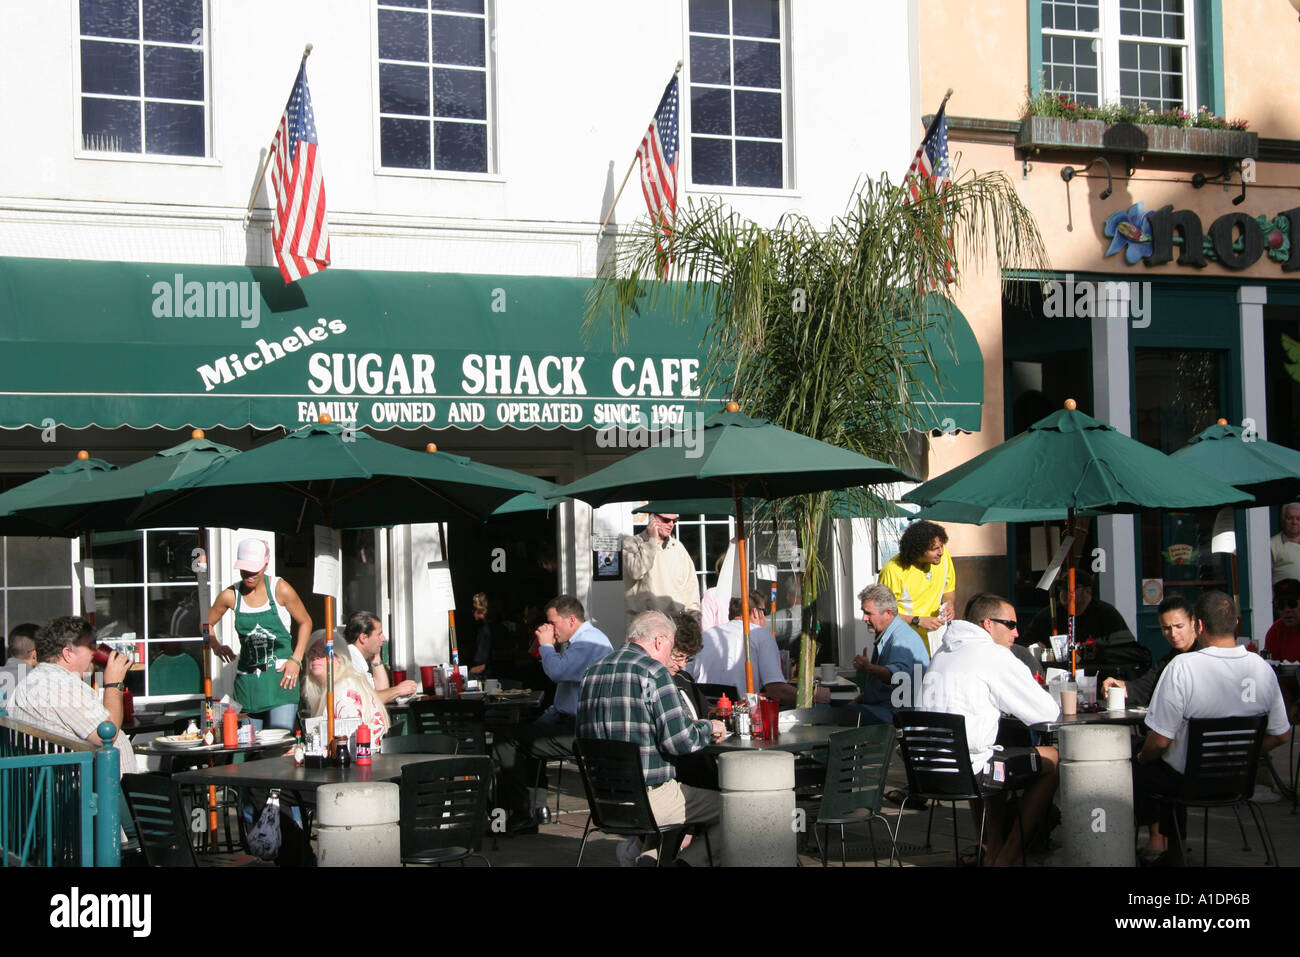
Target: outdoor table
(216, 753)
(1132, 716)
(843, 690)
(800, 739)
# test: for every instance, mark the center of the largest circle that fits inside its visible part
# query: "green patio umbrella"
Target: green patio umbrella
(327, 474)
(76, 474)
(1266, 470)
(738, 457)
(110, 500)
(1066, 464)
(843, 504)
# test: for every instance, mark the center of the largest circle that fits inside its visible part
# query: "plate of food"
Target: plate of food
(191, 740)
(513, 693)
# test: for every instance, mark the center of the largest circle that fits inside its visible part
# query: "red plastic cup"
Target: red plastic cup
(771, 718)
(426, 678)
(101, 654)
(399, 675)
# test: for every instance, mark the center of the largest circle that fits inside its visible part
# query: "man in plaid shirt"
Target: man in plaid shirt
(630, 696)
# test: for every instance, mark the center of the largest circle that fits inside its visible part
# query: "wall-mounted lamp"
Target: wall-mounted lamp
(1200, 179)
(1069, 172)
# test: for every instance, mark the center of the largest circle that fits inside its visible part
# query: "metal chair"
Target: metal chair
(617, 799)
(419, 744)
(1222, 758)
(936, 757)
(163, 828)
(443, 808)
(463, 720)
(857, 765)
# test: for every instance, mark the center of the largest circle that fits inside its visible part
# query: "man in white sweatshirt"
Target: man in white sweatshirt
(974, 674)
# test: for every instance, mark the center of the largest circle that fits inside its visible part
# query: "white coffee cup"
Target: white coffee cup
(828, 674)
(1115, 699)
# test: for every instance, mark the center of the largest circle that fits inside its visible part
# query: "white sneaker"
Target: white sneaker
(627, 852)
(1265, 795)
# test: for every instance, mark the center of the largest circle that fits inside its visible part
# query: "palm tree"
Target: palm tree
(823, 331)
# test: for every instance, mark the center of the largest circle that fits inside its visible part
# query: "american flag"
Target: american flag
(657, 156)
(298, 230)
(930, 166)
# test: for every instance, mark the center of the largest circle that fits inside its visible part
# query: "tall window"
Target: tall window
(1130, 51)
(35, 580)
(738, 109)
(143, 77)
(433, 85)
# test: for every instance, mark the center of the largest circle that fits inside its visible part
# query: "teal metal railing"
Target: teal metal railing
(59, 799)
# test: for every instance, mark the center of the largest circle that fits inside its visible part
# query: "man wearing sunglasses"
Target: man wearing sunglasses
(658, 570)
(975, 674)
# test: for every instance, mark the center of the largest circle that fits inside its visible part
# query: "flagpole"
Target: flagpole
(628, 175)
(252, 200)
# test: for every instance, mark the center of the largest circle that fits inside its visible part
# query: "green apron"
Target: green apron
(263, 638)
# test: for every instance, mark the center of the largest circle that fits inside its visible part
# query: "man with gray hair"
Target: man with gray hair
(890, 674)
(630, 696)
(1285, 545)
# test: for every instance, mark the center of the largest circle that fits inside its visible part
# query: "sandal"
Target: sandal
(903, 800)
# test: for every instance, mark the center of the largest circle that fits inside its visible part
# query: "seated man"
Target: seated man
(899, 651)
(22, 647)
(630, 696)
(1094, 619)
(974, 674)
(1218, 679)
(54, 698)
(568, 645)
(364, 634)
(722, 658)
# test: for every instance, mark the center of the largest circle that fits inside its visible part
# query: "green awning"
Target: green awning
(142, 344)
(951, 400)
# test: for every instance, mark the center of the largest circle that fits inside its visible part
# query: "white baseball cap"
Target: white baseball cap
(253, 555)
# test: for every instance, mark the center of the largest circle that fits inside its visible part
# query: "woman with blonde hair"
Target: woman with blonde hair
(353, 695)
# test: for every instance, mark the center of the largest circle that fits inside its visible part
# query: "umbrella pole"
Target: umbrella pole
(744, 586)
(206, 630)
(329, 655)
(1069, 606)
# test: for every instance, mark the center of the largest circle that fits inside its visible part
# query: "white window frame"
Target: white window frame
(1108, 39)
(787, 112)
(491, 174)
(81, 151)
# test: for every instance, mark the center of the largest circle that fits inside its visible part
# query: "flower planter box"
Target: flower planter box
(1053, 133)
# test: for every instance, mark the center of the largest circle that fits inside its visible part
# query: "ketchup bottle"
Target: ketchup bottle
(230, 729)
(363, 745)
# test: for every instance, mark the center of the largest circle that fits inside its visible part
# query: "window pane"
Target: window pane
(1130, 23)
(461, 6)
(710, 60)
(460, 146)
(1149, 87)
(758, 164)
(403, 89)
(1128, 56)
(418, 4)
(110, 68)
(711, 162)
(172, 612)
(403, 36)
(758, 114)
(173, 73)
(110, 18)
(173, 21)
(170, 555)
(37, 561)
(710, 111)
(111, 126)
(458, 40)
(460, 93)
(169, 671)
(1086, 84)
(1065, 18)
(756, 18)
(1089, 17)
(119, 612)
(404, 144)
(710, 16)
(758, 64)
(174, 129)
(37, 605)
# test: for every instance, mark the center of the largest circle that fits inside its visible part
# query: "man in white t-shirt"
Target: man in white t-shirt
(364, 634)
(1218, 679)
(54, 698)
(722, 659)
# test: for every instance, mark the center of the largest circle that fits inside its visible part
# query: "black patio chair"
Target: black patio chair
(463, 720)
(419, 744)
(444, 807)
(857, 765)
(1222, 759)
(163, 827)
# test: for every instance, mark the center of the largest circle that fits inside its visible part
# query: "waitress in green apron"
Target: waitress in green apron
(273, 629)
